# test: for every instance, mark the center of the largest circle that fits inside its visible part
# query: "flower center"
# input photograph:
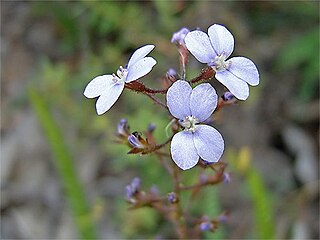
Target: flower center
(219, 63)
(189, 123)
(121, 75)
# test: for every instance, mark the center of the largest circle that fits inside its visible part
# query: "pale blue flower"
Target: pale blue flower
(191, 107)
(109, 87)
(213, 49)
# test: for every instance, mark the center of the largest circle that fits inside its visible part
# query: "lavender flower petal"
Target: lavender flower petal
(198, 43)
(203, 101)
(98, 86)
(139, 54)
(209, 143)
(183, 151)
(244, 69)
(236, 86)
(109, 97)
(221, 39)
(178, 99)
(140, 68)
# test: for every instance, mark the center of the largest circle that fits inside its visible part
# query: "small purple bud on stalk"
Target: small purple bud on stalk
(226, 178)
(154, 190)
(226, 99)
(172, 72)
(151, 127)
(206, 226)
(223, 218)
(228, 96)
(123, 128)
(136, 183)
(133, 188)
(172, 75)
(178, 37)
(172, 197)
(135, 140)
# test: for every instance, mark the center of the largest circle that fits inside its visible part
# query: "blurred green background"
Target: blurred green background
(62, 175)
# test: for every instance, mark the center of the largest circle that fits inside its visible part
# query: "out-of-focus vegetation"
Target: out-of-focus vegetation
(95, 38)
(65, 167)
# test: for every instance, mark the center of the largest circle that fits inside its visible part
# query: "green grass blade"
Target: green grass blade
(262, 205)
(65, 166)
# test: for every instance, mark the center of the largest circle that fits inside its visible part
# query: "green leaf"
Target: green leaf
(64, 164)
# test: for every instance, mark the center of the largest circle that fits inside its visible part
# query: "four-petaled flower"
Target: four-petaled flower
(109, 87)
(192, 106)
(213, 49)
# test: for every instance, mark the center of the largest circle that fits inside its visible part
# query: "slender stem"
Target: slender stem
(156, 100)
(140, 87)
(206, 74)
(180, 219)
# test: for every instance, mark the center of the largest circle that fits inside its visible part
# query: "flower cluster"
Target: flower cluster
(189, 106)
(191, 103)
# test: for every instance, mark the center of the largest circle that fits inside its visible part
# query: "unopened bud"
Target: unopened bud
(135, 140)
(178, 37)
(172, 197)
(206, 226)
(133, 188)
(123, 127)
(227, 96)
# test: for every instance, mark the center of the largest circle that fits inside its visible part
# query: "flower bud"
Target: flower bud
(133, 188)
(227, 96)
(135, 140)
(123, 127)
(206, 226)
(226, 177)
(151, 127)
(172, 197)
(179, 36)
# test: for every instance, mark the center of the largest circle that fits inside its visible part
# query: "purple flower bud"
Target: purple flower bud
(223, 218)
(123, 127)
(136, 183)
(172, 72)
(227, 96)
(151, 127)
(133, 187)
(134, 141)
(203, 178)
(178, 37)
(129, 191)
(172, 197)
(226, 178)
(206, 226)
(154, 190)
